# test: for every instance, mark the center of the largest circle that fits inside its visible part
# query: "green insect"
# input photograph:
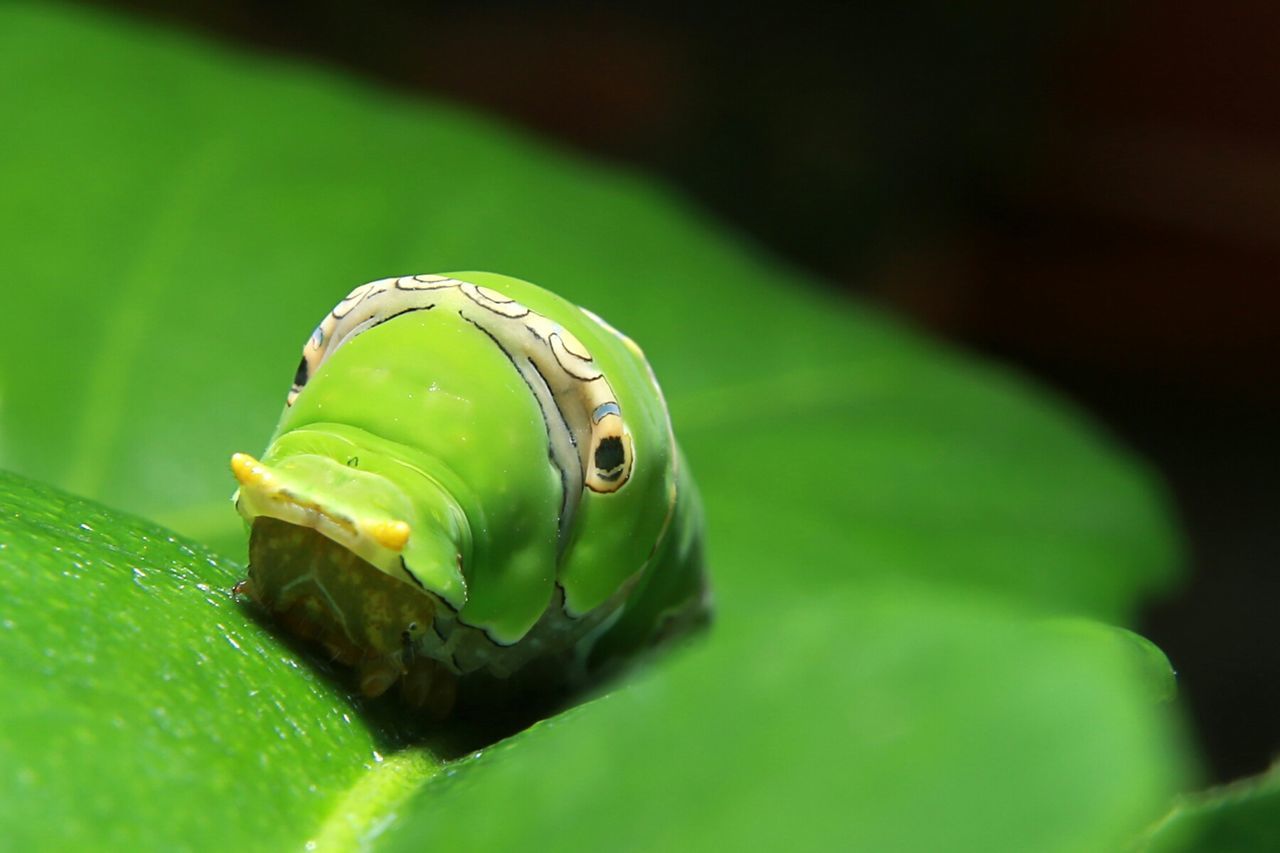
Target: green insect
(472, 479)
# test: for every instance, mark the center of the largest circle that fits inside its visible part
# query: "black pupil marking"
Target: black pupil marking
(353, 462)
(300, 376)
(609, 453)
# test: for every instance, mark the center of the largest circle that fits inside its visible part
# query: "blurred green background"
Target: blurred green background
(1086, 189)
(925, 564)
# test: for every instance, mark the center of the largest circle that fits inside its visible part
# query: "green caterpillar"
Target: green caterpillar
(472, 475)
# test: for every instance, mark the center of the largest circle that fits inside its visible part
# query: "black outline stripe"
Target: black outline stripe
(551, 343)
(490, 308)
(412, 576)
(573, 440)
(546, 422)
(392, 317)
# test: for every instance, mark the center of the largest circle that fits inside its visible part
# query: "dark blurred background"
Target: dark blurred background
(1090, 191)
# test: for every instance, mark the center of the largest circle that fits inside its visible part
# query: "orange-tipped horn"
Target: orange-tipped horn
(249, 471)
(390, 534)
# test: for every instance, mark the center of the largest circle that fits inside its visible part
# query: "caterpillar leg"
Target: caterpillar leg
(377, 675)
(428, 685)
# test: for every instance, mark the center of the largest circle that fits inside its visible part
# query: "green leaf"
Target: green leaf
(1240, 818)
(888, 521)
(144, 707)
(870, 718)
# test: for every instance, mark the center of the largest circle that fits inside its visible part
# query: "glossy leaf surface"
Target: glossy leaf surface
(890, 522)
